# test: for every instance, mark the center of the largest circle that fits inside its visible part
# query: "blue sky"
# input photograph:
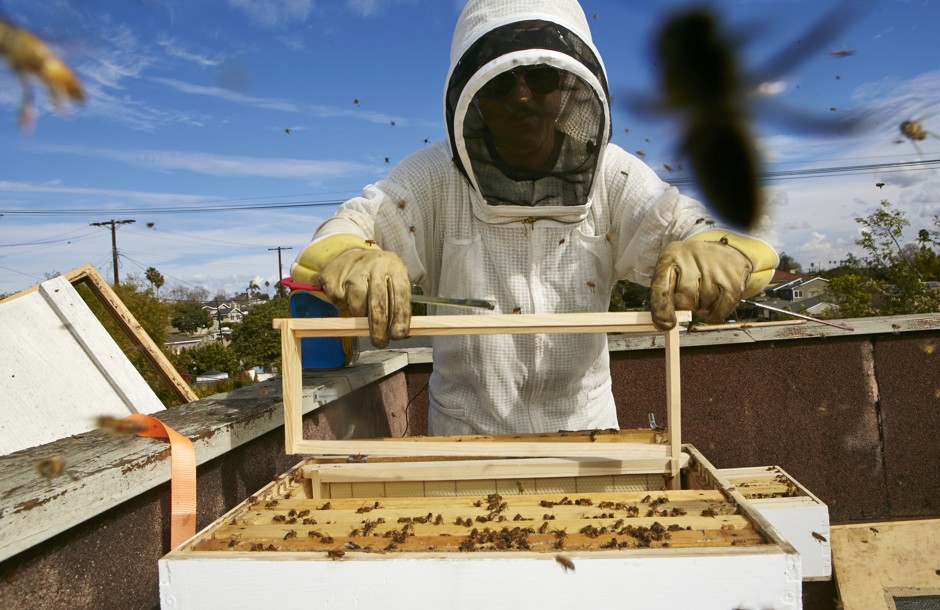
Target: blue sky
(187, 105)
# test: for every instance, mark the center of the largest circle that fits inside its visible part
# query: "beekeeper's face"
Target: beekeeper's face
(520, 108)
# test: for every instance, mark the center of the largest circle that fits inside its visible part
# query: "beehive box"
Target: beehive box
(797, 514)
(529, 532)
(580, 519)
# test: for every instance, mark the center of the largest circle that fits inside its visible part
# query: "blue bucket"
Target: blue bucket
(320, 353)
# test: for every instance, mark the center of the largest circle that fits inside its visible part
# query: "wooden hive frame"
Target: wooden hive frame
(650, 457)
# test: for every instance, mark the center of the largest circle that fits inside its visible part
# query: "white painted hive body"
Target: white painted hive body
(412, 535)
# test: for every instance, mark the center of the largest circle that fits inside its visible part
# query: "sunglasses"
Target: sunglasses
(539, 80)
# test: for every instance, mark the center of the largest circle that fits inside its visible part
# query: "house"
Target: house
(797, 292)
(227, 311)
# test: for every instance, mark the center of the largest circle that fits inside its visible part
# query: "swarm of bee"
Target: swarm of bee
(29, 56)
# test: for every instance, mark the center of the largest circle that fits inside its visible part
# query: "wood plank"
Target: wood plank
(119, 312)
(611, 435)
(673, 405)
(621, 322)
(873, 561)
(478, 469)
(396, 447)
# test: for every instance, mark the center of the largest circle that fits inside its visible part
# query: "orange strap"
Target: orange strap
(182, 476)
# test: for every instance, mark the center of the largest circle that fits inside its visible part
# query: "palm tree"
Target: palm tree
(155, 278)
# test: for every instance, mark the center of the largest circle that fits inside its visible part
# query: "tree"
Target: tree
(253, 289)
(208, 357)
(190, 316)
(788, 263)
(892, 281)
(155, 278)
(184, 293)
(255, 340)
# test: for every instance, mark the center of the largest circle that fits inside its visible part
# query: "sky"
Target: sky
(228, 129)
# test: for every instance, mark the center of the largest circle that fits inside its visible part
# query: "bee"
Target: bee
(565, 562)
(119, 426)
(701, 81)
(915, 132)
(335, 554)
(591, 285)
(287, 130)
(819, 537)
(50, 467)
(29, 56)
(356, 101)
(842, 53)
(520, 487)
(879, 184)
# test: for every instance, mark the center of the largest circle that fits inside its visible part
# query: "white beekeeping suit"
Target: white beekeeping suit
(547, 239)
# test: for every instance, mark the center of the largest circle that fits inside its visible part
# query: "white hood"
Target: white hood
(495, 36)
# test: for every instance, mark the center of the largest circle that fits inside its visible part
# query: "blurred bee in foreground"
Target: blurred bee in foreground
(28, 56)
(700, 78)
(118, 426)
(915, 132)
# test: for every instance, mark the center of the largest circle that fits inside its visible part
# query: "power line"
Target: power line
(766, 175)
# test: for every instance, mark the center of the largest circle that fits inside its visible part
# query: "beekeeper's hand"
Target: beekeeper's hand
(374, 283)
(709, 274)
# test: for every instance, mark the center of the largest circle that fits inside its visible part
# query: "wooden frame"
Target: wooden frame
(89, 276)
(295, 329)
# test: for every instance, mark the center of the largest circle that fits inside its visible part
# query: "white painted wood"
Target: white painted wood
(100, 347)
(639, 579)
(61, 369)
(798, 524)
(103, 470)
(803, 520)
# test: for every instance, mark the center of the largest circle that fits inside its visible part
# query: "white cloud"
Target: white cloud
(174, 48)
(373, 8)
(274, 12)
(141, 196)
(268, 103)
(218, 165)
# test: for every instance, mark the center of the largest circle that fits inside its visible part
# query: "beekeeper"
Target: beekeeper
(528, 205)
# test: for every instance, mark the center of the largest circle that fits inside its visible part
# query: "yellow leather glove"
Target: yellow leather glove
(708, 274)
(374, 283)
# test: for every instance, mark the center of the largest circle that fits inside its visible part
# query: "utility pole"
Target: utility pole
(280, 269)
(114, 251)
